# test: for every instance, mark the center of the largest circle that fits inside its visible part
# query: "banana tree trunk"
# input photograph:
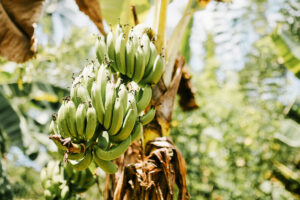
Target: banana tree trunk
(151, 168)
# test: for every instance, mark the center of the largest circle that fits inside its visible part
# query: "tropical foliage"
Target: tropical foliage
(242, 143)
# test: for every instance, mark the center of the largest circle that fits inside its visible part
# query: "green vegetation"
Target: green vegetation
(242, 143)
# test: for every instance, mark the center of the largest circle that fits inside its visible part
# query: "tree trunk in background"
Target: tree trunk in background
(151, 171)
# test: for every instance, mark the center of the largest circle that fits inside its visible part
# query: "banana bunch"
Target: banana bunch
(62, 182)
(135, 58)
(118, 105)
(109, 104)
(76, 118)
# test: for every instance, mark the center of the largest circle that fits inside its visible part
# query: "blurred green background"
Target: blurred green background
(242, 143)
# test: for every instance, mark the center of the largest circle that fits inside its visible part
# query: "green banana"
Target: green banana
(131, 104)
(145, 42)
(84, 162)
(130, 49)
(48, 183)
(80, 118)
(83, 94)
(110, 41)
(118, 30)
(88, 183)
(76, 156)
(120, 53)
(137, 132)
(48, 195)
(91, 122)
(65, 191)
(98, 93)
(139, 65)
(117, 117)
(109, 104)
(52, 131)
(102, 79)
(145, 98)
(135, 39)
(68, 171)
(148, 117)
(82, 178)
(115, 152)
(101, 49)
(76, 176)
(59, 145)
(50, 169)
(140, 29)
(123, 95)
(52, 128)
(55, 124)
(127, 126)
(154, 76)
(73, 93)
(153, 55)
(97, 101)
(71, 121)
(89, 83)
(89, 179)
(61, 119)
(103, 140)
(55, 169)
(107, 166)
(43, 177)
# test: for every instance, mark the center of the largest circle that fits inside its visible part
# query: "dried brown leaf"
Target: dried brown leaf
(153, 176)
(92, 9)
(164, 102)
(17, 23)
(186, 92)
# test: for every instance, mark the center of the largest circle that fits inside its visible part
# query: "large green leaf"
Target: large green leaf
(185, 43)
(10, 122)
(114, 11)
(173, 46)
(294, 112)
(289, 133)
(21, 124)
(5, 188)
(289, 49)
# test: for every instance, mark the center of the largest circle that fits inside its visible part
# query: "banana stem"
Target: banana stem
(160, 42)
(156, 16)
(134, 14)
(127, 20)
(72, 147)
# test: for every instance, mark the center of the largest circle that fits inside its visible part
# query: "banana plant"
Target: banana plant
(164, 92)
(288, 48)
(162, 100)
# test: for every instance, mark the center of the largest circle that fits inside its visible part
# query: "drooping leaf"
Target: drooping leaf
(289, 177)
(4, 76)
(173, 47)
(17, 21)
(186, 92)
(294, 112)
(289, 133)
(92, 9)
(288, 49)
(10, 122)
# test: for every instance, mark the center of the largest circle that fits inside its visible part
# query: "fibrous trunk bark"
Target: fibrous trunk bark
(150, 168)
